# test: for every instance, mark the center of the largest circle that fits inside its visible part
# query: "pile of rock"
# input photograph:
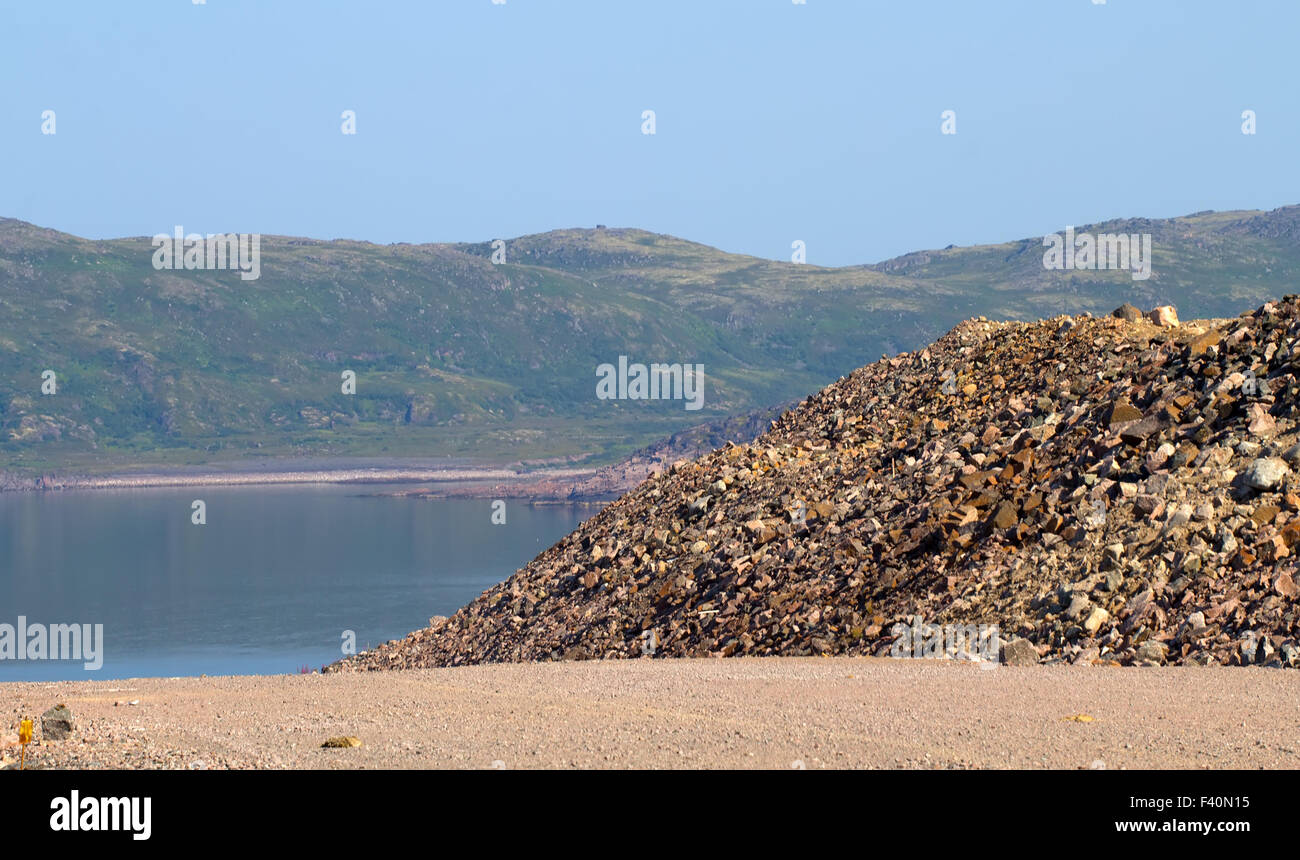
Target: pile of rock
(1117, 489)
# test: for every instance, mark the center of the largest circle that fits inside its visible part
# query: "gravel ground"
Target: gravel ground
(710, 713)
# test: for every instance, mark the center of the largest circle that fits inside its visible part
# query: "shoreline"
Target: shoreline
(538, 482)
(509, 479)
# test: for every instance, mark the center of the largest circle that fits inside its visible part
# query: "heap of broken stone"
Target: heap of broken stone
(1107, 490)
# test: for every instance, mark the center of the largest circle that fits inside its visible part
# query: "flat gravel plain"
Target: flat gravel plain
(680, 713)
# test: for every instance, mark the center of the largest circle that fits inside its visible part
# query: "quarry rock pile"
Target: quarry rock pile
(1108, 490)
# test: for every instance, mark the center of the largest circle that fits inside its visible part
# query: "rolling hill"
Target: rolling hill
(457, 356)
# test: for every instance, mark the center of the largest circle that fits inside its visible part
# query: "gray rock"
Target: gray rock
(1114, 579)
(1194, 624)
(1085, 656)
(1151, 650)
(1019, 652)
(1156, 485)
(1179, 515)
(56, 724)
(1266, 473)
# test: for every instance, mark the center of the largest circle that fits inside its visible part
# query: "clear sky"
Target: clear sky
(774, 121)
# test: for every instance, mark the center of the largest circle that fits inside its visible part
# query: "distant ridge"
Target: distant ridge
(456, 356)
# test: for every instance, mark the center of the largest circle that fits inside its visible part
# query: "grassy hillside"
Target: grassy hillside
(457, 356)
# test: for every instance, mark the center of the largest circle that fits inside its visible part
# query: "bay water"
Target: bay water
(277, 579)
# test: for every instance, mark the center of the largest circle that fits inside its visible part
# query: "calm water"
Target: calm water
(268, 585)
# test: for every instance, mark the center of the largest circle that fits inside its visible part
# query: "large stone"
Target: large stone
(1122, 412)
(1261, 424)
(1019, 652)
(1265, 473)
(56, 723)
(1194, 624)
(761, 531)
(1157, 459)
(1127, 312)
(1200, 345)
(1079, 604)
(1151, 651)
(1095, 619)
(1164, 316)
(1006, 516)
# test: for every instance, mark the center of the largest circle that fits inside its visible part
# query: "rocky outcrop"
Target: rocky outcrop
(1107, 490)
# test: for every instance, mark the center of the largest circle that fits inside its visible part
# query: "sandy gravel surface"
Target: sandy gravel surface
(748, 713)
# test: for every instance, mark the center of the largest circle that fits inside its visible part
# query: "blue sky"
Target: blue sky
(774, 121)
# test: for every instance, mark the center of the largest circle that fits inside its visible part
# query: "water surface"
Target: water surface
(268, 585)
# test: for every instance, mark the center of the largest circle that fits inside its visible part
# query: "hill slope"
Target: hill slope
(1107, 489)
(460, 357)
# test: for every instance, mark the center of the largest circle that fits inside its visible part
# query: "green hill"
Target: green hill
(457, 356)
